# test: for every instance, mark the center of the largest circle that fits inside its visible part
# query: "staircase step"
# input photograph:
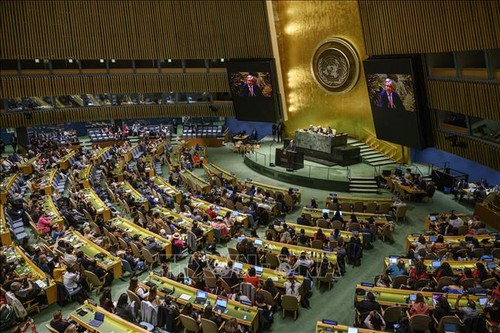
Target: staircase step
(379, 163)
(362, 178)
(364, 185)
(372, 154)
(363, 190)
(378, 159)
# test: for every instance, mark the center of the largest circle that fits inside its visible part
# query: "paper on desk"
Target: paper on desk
(41, 284)
(185, 297)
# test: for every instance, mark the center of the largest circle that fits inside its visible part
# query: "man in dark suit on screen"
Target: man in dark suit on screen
(389, 99)
(250, 89)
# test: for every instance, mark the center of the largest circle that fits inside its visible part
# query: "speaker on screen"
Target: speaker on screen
(396, 94)
(254, 89)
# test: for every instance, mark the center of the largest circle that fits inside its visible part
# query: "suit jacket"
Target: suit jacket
(246, 91)
(384, 101)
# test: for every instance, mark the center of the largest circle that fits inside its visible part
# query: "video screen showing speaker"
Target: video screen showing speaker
(392, 89)
(253, 89)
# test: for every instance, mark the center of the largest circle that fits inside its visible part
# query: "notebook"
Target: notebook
(450, 328)
(201, 297)
(220, 304)
(98, 319)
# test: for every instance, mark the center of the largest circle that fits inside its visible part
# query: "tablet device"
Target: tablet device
(329, 322)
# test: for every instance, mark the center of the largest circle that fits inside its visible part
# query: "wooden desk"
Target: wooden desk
(183, 222)
(310, 231)
(409, 190)
(316, 255)
(5, 237)
(112, 323)
(489, 210)
(212, 169)
(234, 309)
(138, 197)
(86, 175)
(456, 265)
(398, 297)
(97, 203)
(99, 155)
(47, 181)
(271, 188)
(109, 263)
(203, 205)
(316, 213)
(346, 203)
(133, 229)
(27, 167)
(118, 170)
(64, 162)
(31, 271)
(438, 216)
(245, 198)
(454, 240)
(51, 210)
(170, 190)
(194, 182)
(326, 328)
(5, 187)
(150, 166)
(279, 278)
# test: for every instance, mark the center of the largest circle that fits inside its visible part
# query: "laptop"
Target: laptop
(352, 330)
(450, 328)
(413, 297)
(220, 304)
(432, 239)
(98, 319)
(240, 239)
(238, 266)
(217, 208)
(491, 265)
(235, 213)
(435, 264)
(258, 242)
(483, 301)
(201, 297)
(432, 218)
(258, 270)
(325, 211)
(410, 262)
(247, 303)
(393, 261)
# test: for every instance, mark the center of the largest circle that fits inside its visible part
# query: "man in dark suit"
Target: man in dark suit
(250, 89)
(292, 146)
(389, 99)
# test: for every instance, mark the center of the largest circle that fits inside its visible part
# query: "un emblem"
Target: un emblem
(335, 65)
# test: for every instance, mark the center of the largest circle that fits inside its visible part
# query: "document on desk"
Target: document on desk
(185, 297)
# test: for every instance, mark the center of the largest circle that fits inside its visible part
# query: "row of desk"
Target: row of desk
(484, 240)
(203, 205)
(6, 185)
(194, 182)
(212, 169)
(65, 161)
(170, 190)
(317, 213)
(456, 265)
(310, 231)
(272, 189)
(97, 203)
(182, 222)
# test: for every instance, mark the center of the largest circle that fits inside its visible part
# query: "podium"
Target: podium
(289, 159)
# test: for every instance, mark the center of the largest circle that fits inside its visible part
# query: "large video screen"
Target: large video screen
(253, 90)
(394, 100)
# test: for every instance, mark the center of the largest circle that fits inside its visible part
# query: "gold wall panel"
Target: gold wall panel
(61, 116)
(300, 27)
(478, 99)
(405, 27)
(89, 29)
(14, 86)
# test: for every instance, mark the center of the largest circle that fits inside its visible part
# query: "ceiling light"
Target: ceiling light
(37, 61)
(101, 61)
(70, 61)
(221, 59)
(169, 60)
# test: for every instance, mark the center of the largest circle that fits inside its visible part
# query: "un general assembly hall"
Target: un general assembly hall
(249, 166)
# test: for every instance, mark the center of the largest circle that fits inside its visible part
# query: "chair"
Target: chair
(477, 253)
(496, 253)
(190, 325)
(290, 303)
(399, 280)
(208, 326)
(328, 278)
(384, 208)
(94, 281)
(135, 250)
(122, 243)
(420, 322)
(401, 213)
(233, 254)
(386, 233)
(229, 289)
(392, 314)
(149, 258)
(137, 301)
(321, 223)
(358, 207)
(444, 281)
(272, 233)
(371, 207)
(354, 226)
(462, 230)
(288, 202)
(268, 297)
(467, 283)
(272, 260)
(489, 283)
(439, 326)
(248, 290)
(337, 225)
(317, 244)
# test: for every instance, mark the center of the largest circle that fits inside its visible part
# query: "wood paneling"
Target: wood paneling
(59, 85)
(479, 99)
(406, 27)
(61, 116)
(160, 29)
